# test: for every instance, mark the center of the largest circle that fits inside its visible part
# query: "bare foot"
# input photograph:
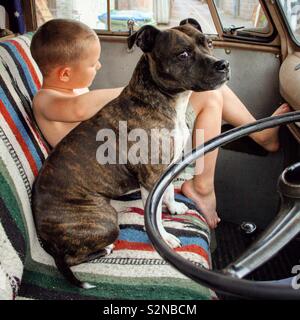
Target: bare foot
(205, 202)
(268, 138)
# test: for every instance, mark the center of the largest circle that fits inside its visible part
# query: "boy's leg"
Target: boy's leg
(236, 114)
(208, 109)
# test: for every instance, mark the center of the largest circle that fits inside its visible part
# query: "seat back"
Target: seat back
(22, 152)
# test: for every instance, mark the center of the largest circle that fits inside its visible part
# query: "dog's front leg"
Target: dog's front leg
(172, 241)
(173, 206)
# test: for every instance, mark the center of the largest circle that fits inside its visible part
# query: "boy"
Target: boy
(67, 53)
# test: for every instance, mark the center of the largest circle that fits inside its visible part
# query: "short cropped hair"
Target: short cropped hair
(60, 42)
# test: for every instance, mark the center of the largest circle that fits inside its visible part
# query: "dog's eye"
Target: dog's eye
(184, 55)
(210, 44)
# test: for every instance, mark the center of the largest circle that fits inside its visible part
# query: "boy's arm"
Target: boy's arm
(78, 108)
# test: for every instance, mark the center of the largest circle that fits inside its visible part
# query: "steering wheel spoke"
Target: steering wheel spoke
(282, 230)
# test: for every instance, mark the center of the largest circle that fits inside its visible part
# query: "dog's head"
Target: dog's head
(181, 58)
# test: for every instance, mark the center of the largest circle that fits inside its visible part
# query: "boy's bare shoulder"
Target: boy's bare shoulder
(47, 94)
(45, 98)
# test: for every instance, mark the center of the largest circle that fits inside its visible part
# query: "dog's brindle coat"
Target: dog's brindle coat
(71, 195)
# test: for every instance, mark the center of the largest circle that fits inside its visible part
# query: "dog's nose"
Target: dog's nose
(222, 65)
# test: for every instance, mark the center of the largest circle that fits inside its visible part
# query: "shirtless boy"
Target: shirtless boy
(68, 52)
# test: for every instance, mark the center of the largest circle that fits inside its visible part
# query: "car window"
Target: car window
(237, 15)
(291, 12)
(112, 15)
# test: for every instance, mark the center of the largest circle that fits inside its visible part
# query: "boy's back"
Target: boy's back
(53, 131)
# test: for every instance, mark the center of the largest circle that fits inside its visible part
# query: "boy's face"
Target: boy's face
(84, 71)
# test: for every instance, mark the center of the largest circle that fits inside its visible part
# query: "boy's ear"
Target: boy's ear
(64, 74)
(192, 22)
(144, 38)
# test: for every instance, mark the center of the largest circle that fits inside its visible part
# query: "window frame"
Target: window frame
(31, 20)
(29, 14)
(286, 23)
(31, 23)
(244, 36)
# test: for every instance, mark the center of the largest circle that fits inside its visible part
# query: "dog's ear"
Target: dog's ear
(144, 38)
(192, 22)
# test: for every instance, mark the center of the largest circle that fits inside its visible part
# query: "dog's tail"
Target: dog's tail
(63, 267)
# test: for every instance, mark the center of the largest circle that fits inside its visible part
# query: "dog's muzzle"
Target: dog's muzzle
(222, 66)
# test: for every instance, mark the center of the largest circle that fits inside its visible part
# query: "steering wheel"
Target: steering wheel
(283, 229)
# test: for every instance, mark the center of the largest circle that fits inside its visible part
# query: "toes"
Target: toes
(213, 225)
(282, 109)
(212, 222)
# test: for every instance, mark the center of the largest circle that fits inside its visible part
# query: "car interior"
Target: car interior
(254, 188)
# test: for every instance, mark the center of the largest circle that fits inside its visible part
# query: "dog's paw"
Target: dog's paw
(171, 240)
(109, 249)
(178, 208)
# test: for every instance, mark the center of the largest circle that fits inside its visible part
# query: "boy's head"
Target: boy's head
(61, 43)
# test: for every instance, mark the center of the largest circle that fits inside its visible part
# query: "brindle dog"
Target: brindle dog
(73, 215)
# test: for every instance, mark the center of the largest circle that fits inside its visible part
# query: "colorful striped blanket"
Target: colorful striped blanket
(133, 271)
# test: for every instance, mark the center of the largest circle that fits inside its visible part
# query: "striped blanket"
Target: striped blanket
(133, 271)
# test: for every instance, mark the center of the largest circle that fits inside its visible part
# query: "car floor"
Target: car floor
(232, 242)
(247, 191)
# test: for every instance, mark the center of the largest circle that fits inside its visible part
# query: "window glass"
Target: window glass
(242, 13)
(197, 9)
(161, 13)
(291, 10)
(87, 11)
